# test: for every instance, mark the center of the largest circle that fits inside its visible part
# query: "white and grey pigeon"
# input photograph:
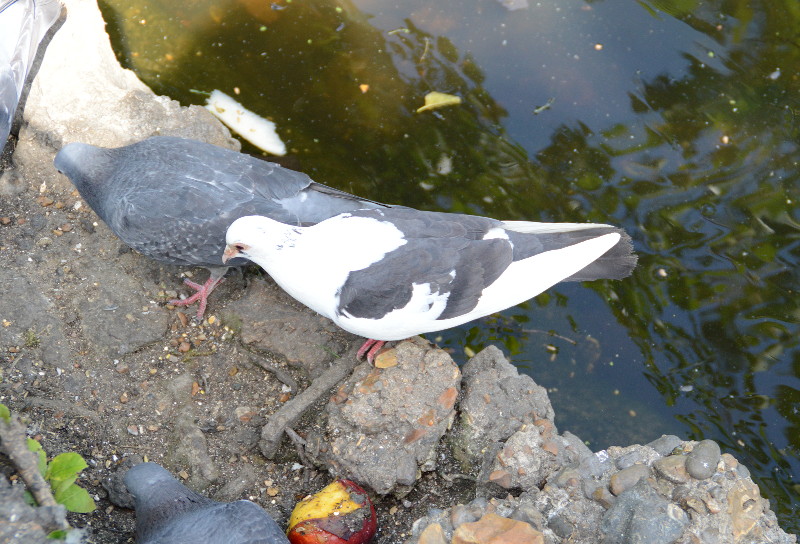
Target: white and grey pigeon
(168, 512)
(394, 273)
(172, 199)
(23, 24)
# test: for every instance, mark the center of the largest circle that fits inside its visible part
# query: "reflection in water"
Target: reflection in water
(678, 122)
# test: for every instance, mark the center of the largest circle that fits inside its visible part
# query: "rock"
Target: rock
(20, 522)
(627, 478)
(433, 534)
(494, 529)
(497, 402)
(642, 516)
(745, 507)
(461, 514)
(701, 462)
(118, 493)
(191, 449)
(274, 322)
(665, 444)
(672, 468)
(382, 434)
(523, 461)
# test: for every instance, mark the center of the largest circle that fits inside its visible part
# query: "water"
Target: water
(675, 120)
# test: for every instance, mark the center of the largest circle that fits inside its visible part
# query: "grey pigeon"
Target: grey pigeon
(168, 512)
(394, 273)
(23, 24)
(172, 199)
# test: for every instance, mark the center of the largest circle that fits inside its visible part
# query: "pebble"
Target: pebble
(495, 529)
(433, 534)
(642, 516)
(627, 478)
(672, 468)
(701, 462)
(461, 514)
(665, 444)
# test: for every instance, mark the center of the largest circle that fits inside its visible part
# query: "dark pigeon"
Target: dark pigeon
(168, 512)
(394, 273)
(172, 199)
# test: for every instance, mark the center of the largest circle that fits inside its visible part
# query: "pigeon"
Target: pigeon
(172, 199)
(394, 273)
(168, 512)
(23, 24)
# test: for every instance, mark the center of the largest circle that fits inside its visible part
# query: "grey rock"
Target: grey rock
(192, 448)
(665, 444)
(627, 478)
(168, 511)
(701, 462)
(561, 526)
(114, 485)
(382, 435)
(460, 514)
(672, 469)
(20, 522)
(742, 471)
(497, 402)
(523, 459)
(642, 516)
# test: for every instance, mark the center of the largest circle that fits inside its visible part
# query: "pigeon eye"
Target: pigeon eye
(239, 247)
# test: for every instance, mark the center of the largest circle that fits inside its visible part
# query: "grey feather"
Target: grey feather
(449, 253)
(168, 512)
(172, 199)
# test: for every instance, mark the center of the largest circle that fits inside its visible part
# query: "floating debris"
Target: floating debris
(249, 125)
(512, 5)
(436, 99)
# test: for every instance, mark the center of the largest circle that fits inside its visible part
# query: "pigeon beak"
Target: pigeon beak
(229, 253)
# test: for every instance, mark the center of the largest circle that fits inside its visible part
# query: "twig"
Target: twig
(300, 446)
(13, 444)
(279, 373)
(293, 410)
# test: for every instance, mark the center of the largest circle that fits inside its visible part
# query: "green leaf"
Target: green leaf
(65, 465)
(75, 499)
(59, 485)
(60, 534)
(36, 448)
(5, 413)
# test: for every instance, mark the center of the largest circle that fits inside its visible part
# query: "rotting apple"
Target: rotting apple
(341, 513)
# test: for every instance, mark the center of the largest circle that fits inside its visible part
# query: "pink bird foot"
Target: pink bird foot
(371, 349)
(202, 294)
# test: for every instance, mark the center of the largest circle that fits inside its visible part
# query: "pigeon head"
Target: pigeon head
(253, 237)
(87, 167)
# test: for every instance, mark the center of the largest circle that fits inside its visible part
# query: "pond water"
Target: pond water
(676, 120)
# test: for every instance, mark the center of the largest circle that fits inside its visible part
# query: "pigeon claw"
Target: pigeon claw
(202, 294)
(370, 348)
